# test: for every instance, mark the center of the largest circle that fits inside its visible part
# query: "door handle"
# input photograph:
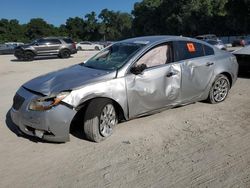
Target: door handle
(170, 74)
(209, 64)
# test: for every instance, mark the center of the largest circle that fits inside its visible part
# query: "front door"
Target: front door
(156, 87)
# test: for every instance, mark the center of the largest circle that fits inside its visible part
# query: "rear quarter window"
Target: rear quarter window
(68, 41)
(54, 41)
(208, 50)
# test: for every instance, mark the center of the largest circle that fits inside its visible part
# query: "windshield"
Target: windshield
(114, 57)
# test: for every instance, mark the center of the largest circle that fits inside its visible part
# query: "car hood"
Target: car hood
(23, 46)
(67, 79)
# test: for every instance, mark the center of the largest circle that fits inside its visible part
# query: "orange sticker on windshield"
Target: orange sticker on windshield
(191, 47)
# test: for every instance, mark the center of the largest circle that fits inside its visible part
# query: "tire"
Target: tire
(65, 53)
(28, 56)
(79, 48)
(97, 48)
(219, 89)
(100, 119)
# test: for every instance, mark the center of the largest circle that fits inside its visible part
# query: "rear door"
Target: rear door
(158, 86)
(53, 45)
(197, 64)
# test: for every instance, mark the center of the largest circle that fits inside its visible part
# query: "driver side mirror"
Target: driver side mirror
(138, 69)
(37, 44)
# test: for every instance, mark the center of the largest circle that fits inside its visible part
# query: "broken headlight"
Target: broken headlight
(46, 103)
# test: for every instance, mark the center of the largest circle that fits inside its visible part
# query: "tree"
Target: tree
(147, 17)
(115, 25)
(92, 27)
(38, 28)
(238, 16)
(75, 28)
(11, 30)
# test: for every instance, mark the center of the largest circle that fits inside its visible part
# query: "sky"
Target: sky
(58, 11)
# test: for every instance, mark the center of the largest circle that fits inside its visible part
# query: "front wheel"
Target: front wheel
(28, 56)
(219, 89)
(100, 119)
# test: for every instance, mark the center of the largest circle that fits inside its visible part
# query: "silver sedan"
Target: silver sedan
(128, 79)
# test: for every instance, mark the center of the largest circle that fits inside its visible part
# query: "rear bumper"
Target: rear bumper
(52, 125)
(74, 51)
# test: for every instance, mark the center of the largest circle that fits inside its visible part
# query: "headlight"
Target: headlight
(46, 103)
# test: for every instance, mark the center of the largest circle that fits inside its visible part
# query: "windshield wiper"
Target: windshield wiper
(83, 64)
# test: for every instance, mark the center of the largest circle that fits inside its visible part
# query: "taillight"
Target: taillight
(74, 45)
(242, 43)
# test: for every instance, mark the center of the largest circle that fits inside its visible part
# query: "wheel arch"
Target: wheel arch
(29, 50)
(63, 49)
(229, 76)
(119, 110)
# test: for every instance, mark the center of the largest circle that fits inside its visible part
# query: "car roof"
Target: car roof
(207, 35)
(55, 38)
(148, 40)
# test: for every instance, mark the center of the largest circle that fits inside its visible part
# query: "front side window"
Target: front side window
(114, 57)
(159, 55)
(41, 41)
(85, 43)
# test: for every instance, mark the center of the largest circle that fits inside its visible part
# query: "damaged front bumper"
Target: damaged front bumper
(51, 125)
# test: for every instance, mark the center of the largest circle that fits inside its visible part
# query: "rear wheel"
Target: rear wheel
(219, 89)
(100, 119)
(64, 54)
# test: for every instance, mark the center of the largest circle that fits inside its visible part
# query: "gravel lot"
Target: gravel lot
(199, 145)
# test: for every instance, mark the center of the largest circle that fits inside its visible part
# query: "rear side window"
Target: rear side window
(189, 50)
(54, 41)
(208, 50)
(68, 41)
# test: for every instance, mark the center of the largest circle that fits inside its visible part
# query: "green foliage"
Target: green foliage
(191, 17)
(115, 25)
(149, 17)
(38, 28)
(11, 30)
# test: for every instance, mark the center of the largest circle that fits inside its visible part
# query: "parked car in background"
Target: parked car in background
(60, 46)
(242, 41)
(129, 79)
(6, 49)
(207, 37)
(106, 43)
(217, 43)
(243, 58)
(85, 45)
(14, 44)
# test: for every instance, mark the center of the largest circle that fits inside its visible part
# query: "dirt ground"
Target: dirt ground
(199, 145)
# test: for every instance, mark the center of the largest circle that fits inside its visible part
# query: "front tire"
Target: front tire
(28, 56)
(97, 48)
(100, 119)
(219, 89)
